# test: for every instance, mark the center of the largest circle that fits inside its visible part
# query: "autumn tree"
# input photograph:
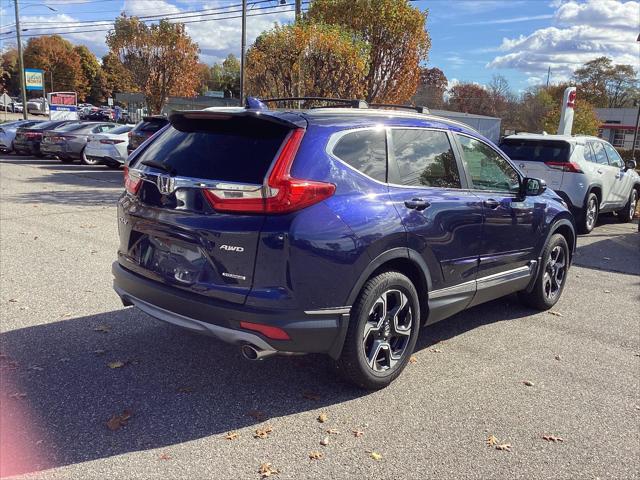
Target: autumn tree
(9, 72)
(605, 84)
(161, 58)
(470, 98)
(431, 88)
(397, 39)
(331, 62)
(533, 107)
(61, 63)
(90, 69)
(585, 120)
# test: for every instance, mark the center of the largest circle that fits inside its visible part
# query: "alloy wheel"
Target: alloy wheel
(555, 272)
(592, 210)
(387, 331)
(632, 203)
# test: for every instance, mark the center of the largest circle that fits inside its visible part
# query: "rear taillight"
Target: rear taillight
(132, 181)
(33, 135)
(571, 167)
(281, 194)
(110, 141)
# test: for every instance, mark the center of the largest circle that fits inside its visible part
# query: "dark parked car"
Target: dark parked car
(8, 132)
(332, 230)
(68, 142)
(145, 129)
(28, 139)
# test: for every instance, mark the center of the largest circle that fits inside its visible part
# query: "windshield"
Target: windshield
(536, 150)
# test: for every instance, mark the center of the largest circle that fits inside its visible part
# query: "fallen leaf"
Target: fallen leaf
(266, 470)
(322, 417)
(18, 395)
(13, 300)
(558, 357)
(375, 455)
(557, 314)
(263, 432)
(435, 350)
(94, 251)
(413, 359)
(165, 456)
(256, 414)
(324, 442)
(117, 421)
(310, 395)
(528, 383)
(357, 433)
(102, 328)
(492, 440)
(184, 390)
(231, 435)
(504, 446)
(332, 431)
(552, 438)
(116, 364)
(607, 291)
(316, 455)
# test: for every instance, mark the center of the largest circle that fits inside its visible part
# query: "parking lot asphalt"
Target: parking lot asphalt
(497, 370)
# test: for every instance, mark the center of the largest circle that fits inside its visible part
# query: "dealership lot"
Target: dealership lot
(63, 331)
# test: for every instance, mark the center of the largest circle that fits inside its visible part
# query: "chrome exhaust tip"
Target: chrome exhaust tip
(253, 353)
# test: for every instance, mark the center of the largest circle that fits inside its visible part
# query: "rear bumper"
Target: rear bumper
(32, 148)
(321, 331)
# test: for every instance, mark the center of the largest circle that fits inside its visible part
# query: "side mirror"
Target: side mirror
(630, 165)
(530, 187)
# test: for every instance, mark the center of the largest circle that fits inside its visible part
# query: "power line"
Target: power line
(186, 22)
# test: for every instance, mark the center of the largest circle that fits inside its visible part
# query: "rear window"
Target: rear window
(536, 150)
(235, 150)
(119, 130)
(71, 127)
(151, 125)
(45, 125)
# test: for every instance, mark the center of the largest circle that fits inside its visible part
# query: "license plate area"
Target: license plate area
(176, 261)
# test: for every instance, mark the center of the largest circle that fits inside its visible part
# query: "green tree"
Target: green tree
(331, 62)
(585, 120)
(161, 57)
(9, 72)
(225, 76)
(397, 38)
(433, 84)
(605, 84)
(532, 109)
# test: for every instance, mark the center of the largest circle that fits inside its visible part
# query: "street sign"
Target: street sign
(63, 106)
(110, 101)
(34, 79)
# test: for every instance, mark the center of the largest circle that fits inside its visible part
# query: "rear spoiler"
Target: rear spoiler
(286, 119)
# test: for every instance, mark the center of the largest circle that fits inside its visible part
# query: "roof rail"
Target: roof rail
(353, 103)
(416, 108)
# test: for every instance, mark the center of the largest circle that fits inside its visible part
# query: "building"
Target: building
(618, 126)
(487, 126)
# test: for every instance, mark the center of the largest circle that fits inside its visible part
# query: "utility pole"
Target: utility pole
(298, 9)
(548, 76)
(242, 50)
(23, 80)
(635, 134)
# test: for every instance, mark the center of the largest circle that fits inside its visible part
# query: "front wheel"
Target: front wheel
(626, 214)
(382, 332)
(86, 160)
(552, 275)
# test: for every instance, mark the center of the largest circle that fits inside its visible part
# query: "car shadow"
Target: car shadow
(178, 386)
(616, 253)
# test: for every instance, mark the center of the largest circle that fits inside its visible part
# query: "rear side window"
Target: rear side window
(536, 150)
(600, 154)
(588, 154)
(366, 151)
(238, 150)
(71, 127)
(425, 158)
(614, 157)
(151, 126)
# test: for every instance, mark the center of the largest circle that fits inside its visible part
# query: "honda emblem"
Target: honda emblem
(165, 184)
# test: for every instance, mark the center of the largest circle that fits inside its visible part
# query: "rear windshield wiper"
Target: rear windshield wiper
(159, 165)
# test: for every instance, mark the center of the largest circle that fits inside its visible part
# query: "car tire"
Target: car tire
(551, 277)
(87, 161)
(379, 343)
(65, 159)
(626, 214)
(113, 166)
(589, 216)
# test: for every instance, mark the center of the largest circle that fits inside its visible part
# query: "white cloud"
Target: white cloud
(500, 21)
(585, 31)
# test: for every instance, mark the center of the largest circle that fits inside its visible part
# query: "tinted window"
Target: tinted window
(425, 158)
(487, 169)
(233, 150)
(614, 157)
(598, 151)
(536, 150)
(46, 125)
(151, 125)
(366, 151)
(588, 154)
(71, 127)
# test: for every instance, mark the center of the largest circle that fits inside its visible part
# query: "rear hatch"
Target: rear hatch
(538, 158)
(190, 217)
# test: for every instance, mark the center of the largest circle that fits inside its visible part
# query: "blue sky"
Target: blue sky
(471, 39)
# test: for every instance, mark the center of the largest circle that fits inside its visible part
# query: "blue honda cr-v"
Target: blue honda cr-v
(331, 230)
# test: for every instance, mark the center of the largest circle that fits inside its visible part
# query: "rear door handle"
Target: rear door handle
(491, 203)
(417, 204)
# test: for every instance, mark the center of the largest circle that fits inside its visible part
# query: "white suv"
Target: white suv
(587, 172)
